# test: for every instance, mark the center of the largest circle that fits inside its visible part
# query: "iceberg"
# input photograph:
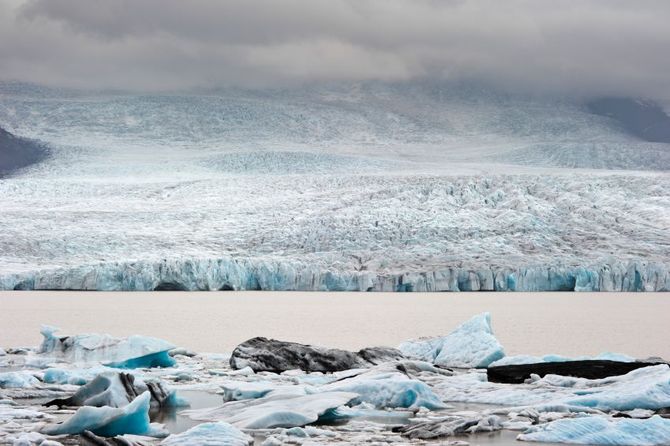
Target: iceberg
(210, 434)
(17, 380)
(595, 430)
(114, 389)
(132, 352)
(110, 421)
(472, 344)
(388, 390)
(280, 409)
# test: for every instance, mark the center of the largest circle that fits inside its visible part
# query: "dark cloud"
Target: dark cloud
(570, 47)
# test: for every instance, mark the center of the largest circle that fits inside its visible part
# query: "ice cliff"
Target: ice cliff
(278, 275)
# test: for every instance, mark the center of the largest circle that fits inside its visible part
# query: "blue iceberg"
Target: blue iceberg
(471, 345)
(110, 421)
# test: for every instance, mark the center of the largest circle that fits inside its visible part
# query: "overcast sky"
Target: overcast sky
(590, 47)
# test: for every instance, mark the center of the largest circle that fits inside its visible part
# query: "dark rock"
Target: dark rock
(16, 153)
(644, 119)
(590, 369)
(269, 355)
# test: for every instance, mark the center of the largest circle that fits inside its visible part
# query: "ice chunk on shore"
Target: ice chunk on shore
(388, 390)
(274, 410)
(17, 380)
(527, 359)
(595, 430)
(210, 434)
(471, 345)
(110, 421)
(132, 352)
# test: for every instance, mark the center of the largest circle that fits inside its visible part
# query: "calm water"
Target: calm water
(531, 323)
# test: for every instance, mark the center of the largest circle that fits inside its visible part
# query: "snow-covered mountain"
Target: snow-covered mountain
(349, 186)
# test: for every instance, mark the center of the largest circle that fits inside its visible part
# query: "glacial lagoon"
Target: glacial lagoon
(571, 324)
(390, 399)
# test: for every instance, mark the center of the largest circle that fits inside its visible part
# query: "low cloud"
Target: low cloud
(589, 47)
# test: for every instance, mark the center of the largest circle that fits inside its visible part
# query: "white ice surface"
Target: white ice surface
(366, 186)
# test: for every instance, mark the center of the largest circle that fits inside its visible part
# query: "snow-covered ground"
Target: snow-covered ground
(361, 187)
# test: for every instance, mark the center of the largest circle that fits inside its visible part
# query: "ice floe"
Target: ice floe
(210, 434)
(591, 430)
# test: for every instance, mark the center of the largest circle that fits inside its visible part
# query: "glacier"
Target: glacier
(430, 188)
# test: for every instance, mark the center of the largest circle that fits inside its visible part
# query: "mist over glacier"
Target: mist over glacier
(348, 186)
